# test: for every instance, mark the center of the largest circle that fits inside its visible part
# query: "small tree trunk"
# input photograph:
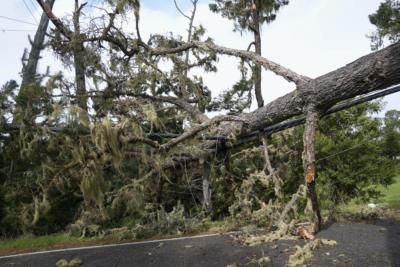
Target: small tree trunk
(257, 68)
(207, 202)
(310, 170)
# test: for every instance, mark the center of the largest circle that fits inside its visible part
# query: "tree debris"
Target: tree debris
(305, 253)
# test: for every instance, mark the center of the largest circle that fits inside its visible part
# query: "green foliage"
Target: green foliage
(351, 174)
(38, 242)
(387, 21)
(241, 11)
(391, 194)
(391, 130)
(350, 157)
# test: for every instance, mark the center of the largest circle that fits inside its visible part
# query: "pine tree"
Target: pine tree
(250, 15)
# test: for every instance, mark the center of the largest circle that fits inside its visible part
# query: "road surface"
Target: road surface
(359, 244)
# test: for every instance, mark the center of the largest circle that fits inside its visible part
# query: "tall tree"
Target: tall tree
(74, 38)
(250, 15)
(387, 22)
(391, 132)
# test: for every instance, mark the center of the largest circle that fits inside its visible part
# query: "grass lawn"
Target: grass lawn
(30, 243)
(391, 194)
(390, 198)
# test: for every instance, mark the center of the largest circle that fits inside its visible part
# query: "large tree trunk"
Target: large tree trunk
(372, 72)
(78, 51)
(29, 71)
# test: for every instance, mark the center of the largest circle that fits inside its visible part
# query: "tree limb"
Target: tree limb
(198, 129)
(56, 21)
(286, 73)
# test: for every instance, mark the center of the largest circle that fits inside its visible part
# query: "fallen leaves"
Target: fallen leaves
(69, 263)
(302, 254)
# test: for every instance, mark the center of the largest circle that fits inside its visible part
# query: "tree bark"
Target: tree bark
(78, 51)
(310, 168)
(207, 202)
(257, 68)
(372, 72)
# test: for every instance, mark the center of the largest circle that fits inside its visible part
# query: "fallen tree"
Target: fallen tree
(311, 98)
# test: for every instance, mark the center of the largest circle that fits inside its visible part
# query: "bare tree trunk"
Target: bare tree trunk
(272, 174)
(207, 202)
(258, 70)
(78, 51)
(310, 169)
(29, 71)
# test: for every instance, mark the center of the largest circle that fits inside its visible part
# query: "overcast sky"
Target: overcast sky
(310, 37)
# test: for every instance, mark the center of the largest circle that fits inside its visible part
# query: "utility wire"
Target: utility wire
(15, 30)
(18, 20)
(30, 11)
(33, 4)
(343, 151)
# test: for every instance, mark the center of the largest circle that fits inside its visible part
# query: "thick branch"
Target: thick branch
(56, 21)
(198, 129)
(135, 139)
(286, 73)
(181, 103)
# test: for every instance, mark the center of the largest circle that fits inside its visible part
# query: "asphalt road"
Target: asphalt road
(359, 244)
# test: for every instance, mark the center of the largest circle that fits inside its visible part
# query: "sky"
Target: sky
(309, 37)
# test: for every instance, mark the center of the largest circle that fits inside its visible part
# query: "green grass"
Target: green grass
(390, 198)
(28, 243)
(391, 194)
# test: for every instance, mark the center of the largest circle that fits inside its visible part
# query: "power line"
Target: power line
(15, 30)
(33, 4)
(30, 11)
(18, 20)
(344, 151)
